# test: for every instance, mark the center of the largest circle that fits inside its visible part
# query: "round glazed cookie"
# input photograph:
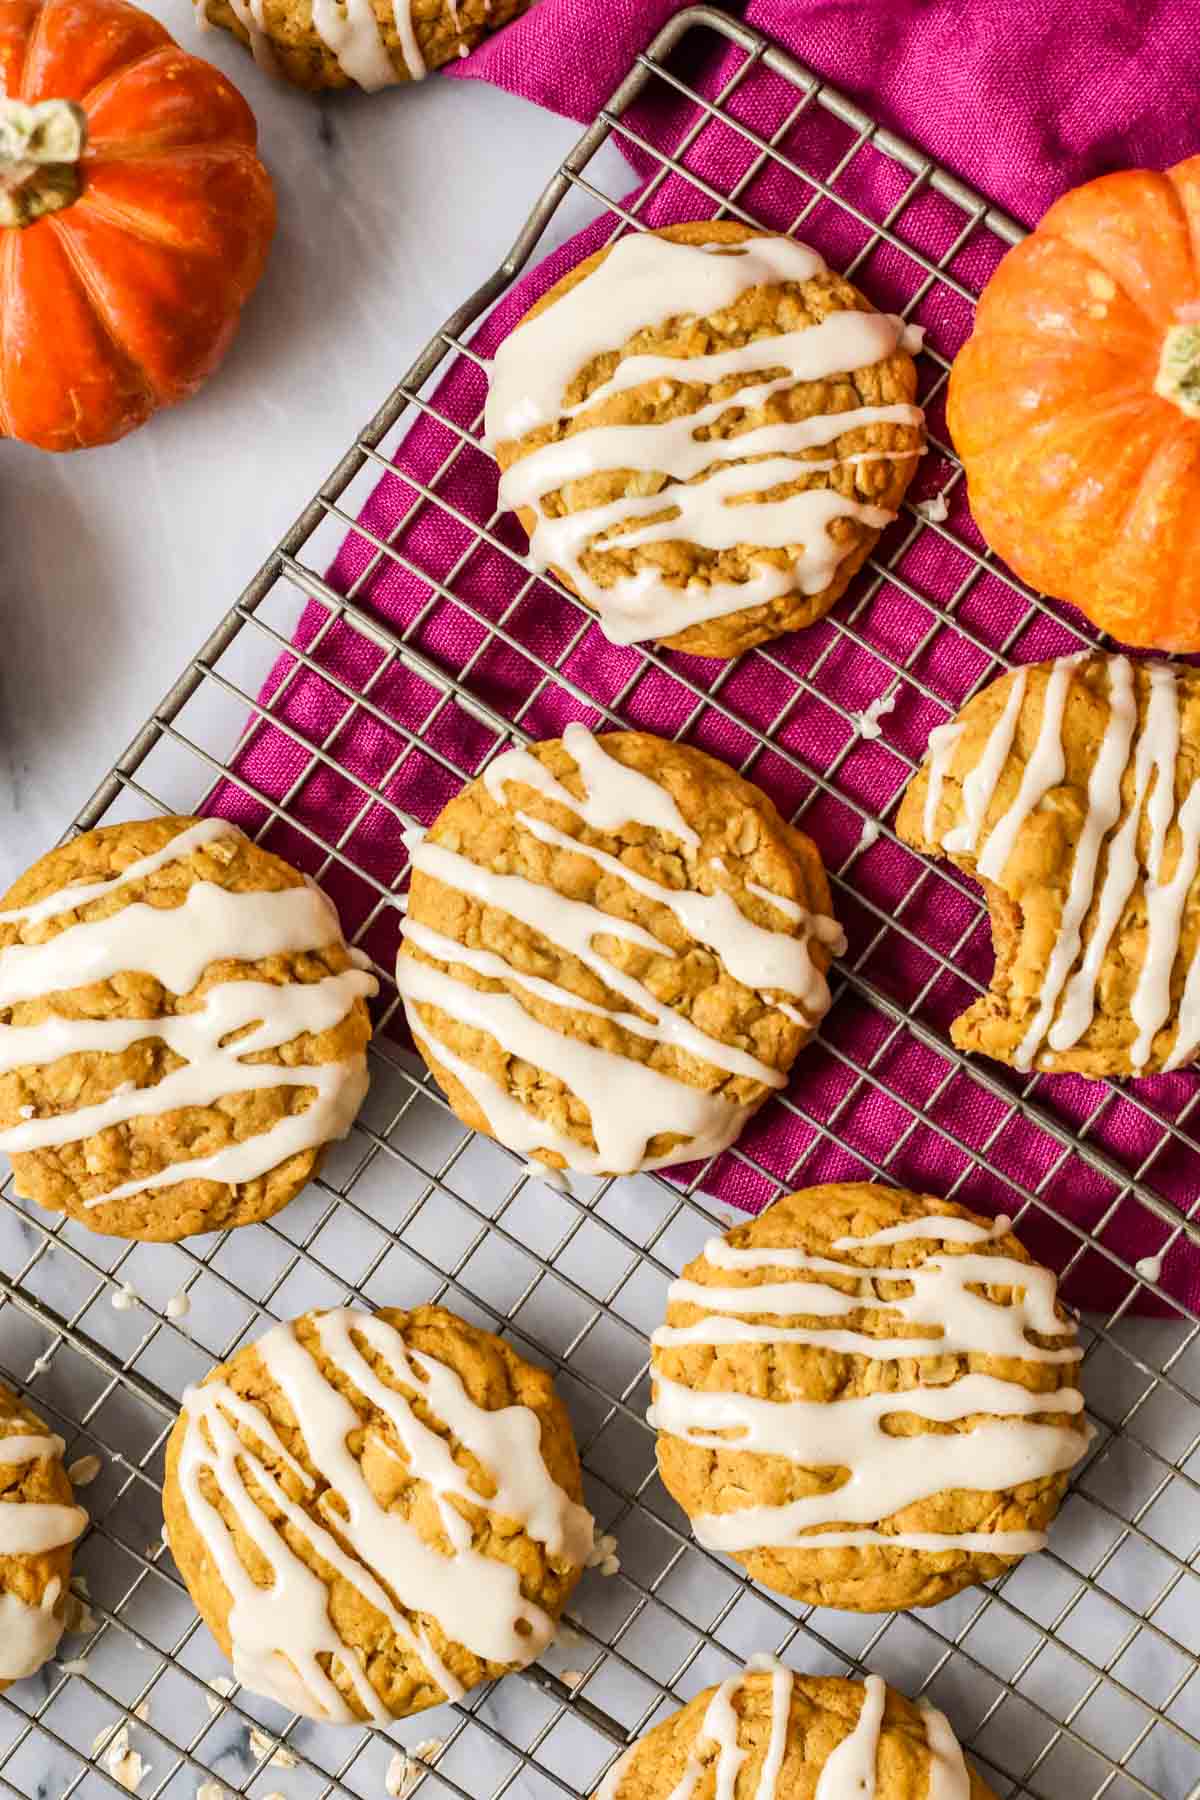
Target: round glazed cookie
(1071, 791)
(704, 430)
(374, 1512)
(769, 1734)
(613, 951)
(359, 43)
(39, 1522)
(182, 1029)
(864, 1396)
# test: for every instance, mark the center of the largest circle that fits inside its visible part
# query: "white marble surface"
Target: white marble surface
(115, 563)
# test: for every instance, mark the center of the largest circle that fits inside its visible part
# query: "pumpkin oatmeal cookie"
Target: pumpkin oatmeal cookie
(770, 1734)
(864, 1396)
(613, 952)
(370, 44)
(374, 1512)
(1070, 791)
(39, 1523)
(704, 431)
(182, 1029)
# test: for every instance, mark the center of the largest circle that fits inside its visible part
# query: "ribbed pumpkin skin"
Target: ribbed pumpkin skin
(126, 300)
(1079, 475)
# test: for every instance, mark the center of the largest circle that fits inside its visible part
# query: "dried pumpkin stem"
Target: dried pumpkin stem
(40, 151)
(1179, 369)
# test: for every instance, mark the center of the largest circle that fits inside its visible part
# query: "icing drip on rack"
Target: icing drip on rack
(29, 1634)
(629, 1102)
(176, 945)
(887, 1473)
(1106, 867)
(645, 281)
(849, 1771)
(280, 1632)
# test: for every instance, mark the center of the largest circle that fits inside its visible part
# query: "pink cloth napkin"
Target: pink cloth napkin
(1022, 102)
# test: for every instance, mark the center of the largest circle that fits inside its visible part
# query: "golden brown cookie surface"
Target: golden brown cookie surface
(1069, 790)
(700, 568)
(149, 972)
(778, 1395)
(39, 1522)
(769, 1734)
(614, 950)
(374, 1511)
(368, 43)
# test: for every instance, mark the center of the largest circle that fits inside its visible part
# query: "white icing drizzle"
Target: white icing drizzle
(629, 1102)
(720, 1727)
(754, 954)
(347, 27)
(402, 16)
(552, 1178)
(867, 721)
(668, 1026)
(1104, 807)
(28, 1527)
(350, 29)
(29, 1636)
(613, 793)
(280, 1632)
(176, 945)
(886, 1473)
(38, 1526)
(980, 784)
(1067, 999)
(1043, 771)
(950, 1229)
(22, 1446)
(1165, 902)
(1154, 760)
(612, 1781)
(941, 742)
(66, 899)
(521, 1130)
(645, 280)
(849, 1771)
(249, 14)
(782, 1682)
(949, 1778)
(273, 1014)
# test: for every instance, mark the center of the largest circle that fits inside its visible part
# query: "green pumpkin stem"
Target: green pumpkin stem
(40, 151)
(1179, 369)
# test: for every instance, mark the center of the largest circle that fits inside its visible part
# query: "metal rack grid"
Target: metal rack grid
(1072, 1677)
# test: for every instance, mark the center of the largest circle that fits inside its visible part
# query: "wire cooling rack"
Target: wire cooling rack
(1071, 1678)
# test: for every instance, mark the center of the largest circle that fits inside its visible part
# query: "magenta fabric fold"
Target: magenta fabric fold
(1021, 102)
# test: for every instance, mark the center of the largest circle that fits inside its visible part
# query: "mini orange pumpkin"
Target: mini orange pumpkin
(135, 218)
(1075, 405)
